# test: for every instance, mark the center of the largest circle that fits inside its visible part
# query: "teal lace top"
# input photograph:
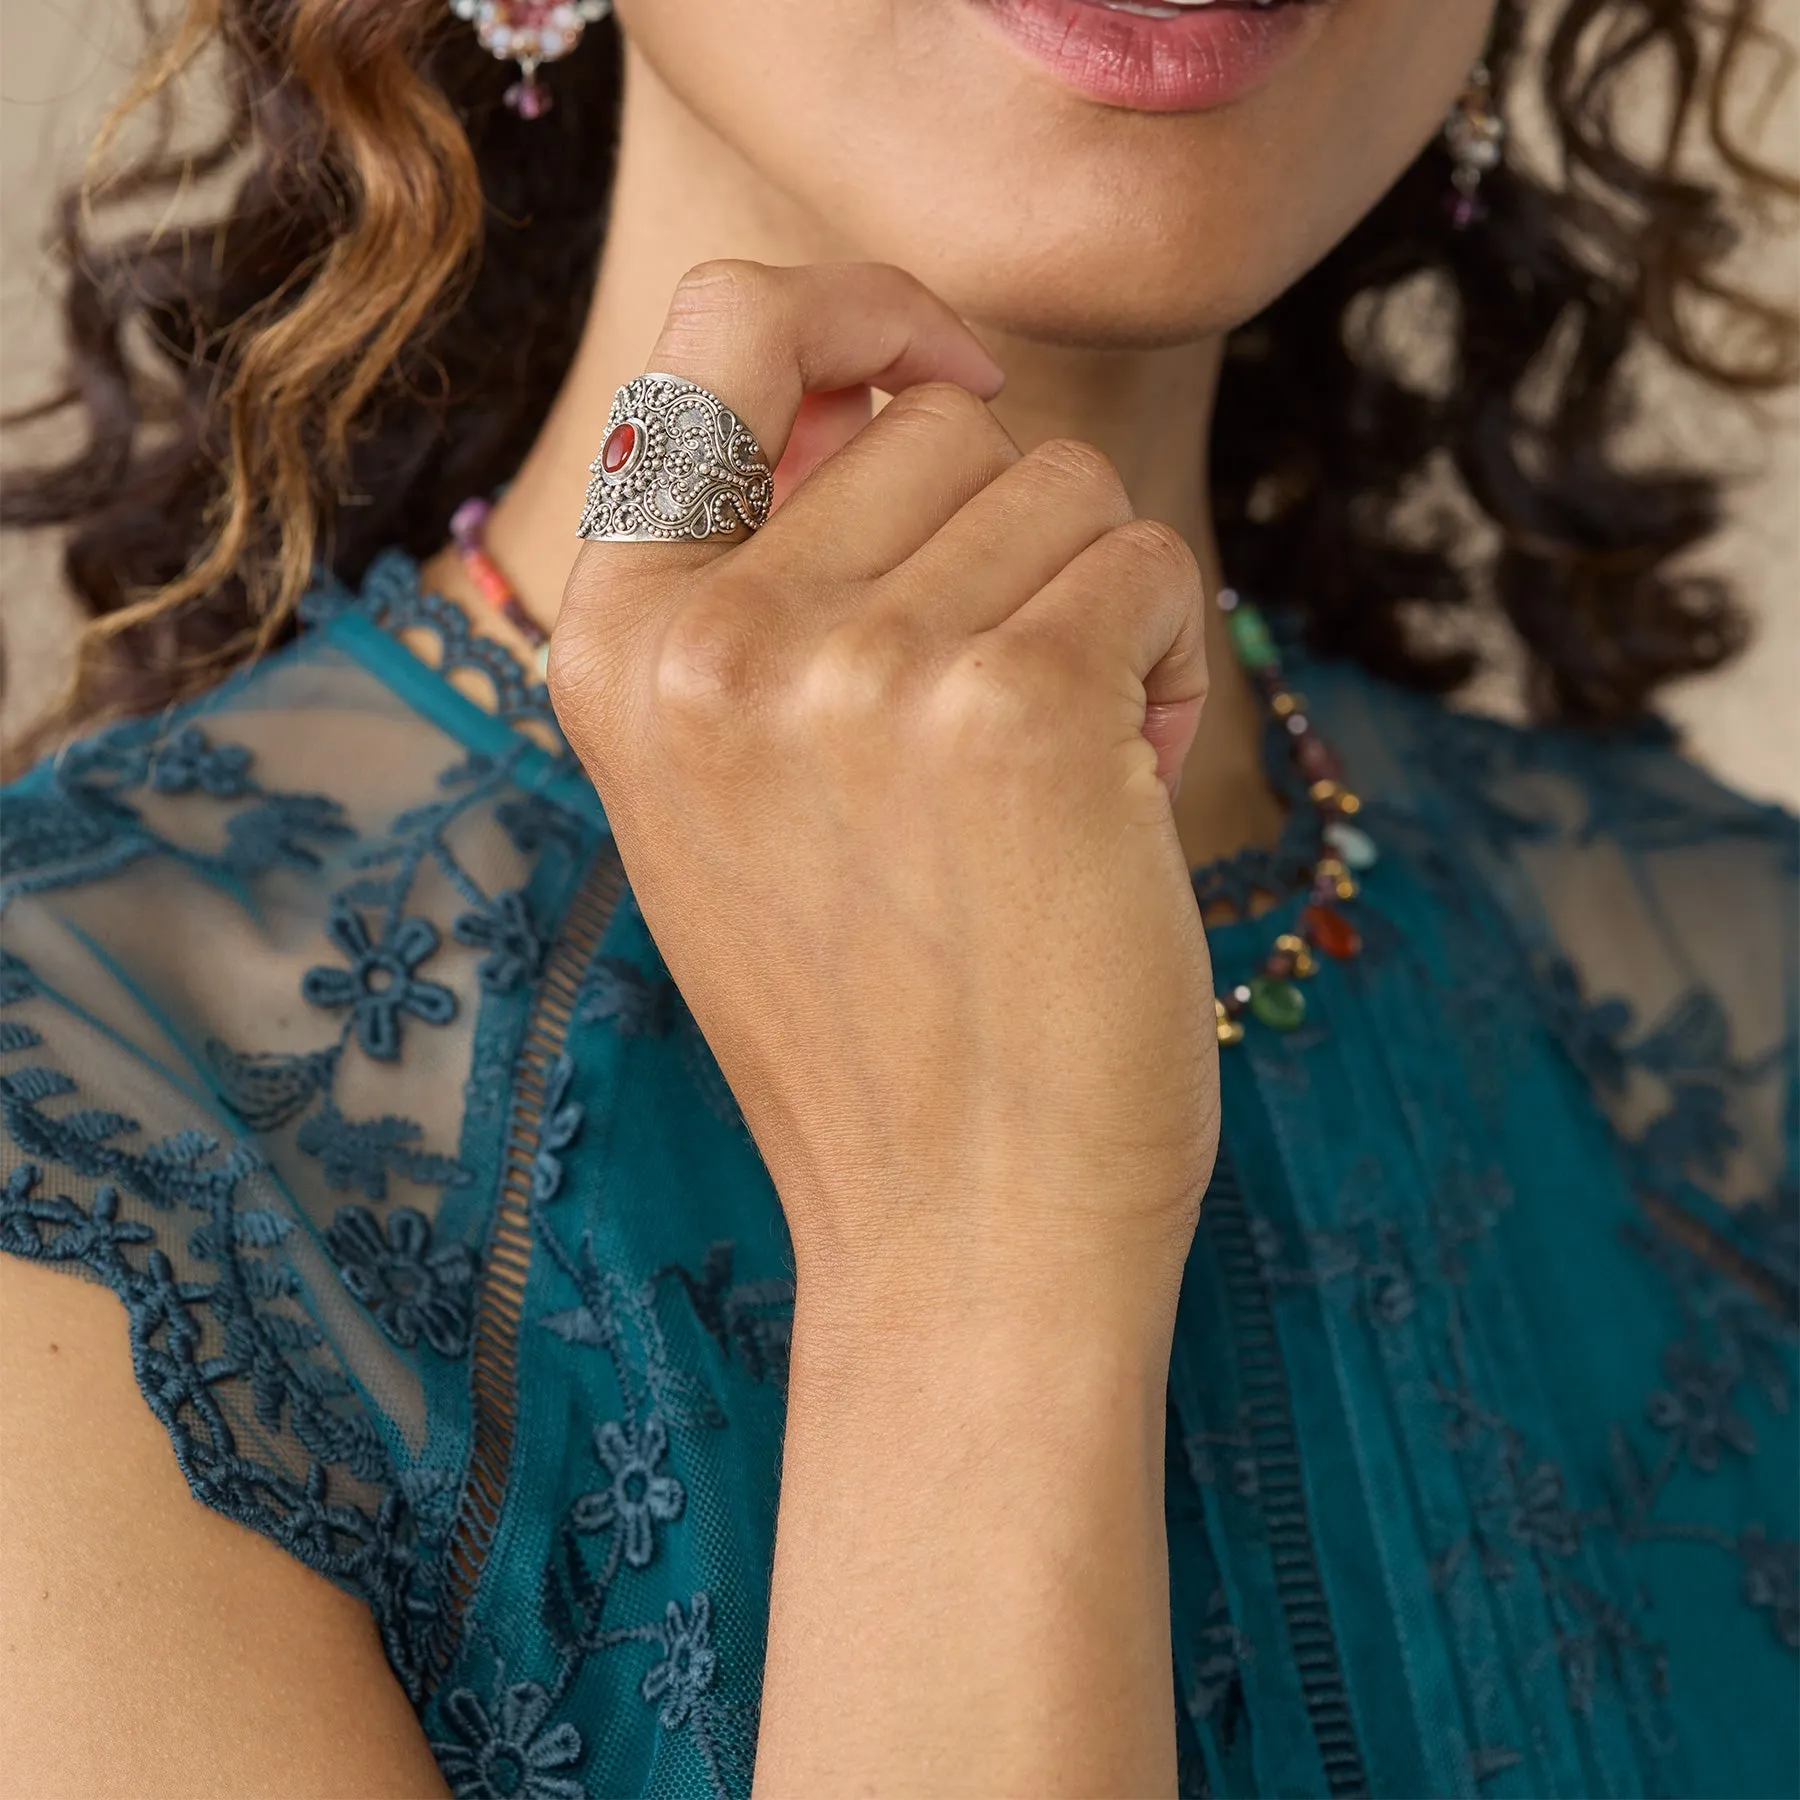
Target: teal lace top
(333, 1044)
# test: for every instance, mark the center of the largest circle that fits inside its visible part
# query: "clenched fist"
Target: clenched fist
(890, 780)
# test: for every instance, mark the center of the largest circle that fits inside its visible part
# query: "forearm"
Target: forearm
(971, 1575)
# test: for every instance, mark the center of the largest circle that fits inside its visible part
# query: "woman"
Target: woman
(502, 1190)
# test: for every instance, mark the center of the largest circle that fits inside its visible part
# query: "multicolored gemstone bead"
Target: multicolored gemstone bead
(1250, 637)
(1278, 1004)
(1355, 846)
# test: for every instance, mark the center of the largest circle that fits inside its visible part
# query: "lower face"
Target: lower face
(1074, 170)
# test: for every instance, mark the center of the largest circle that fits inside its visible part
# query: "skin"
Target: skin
(981, 1071)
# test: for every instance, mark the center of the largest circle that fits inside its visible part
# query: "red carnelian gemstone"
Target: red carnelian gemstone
(1331, 932)
(615, 453)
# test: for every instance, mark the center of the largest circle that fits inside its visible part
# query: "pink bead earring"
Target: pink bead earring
(530, 33)
(1475, 135)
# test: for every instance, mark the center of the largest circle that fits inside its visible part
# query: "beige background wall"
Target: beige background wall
(62, 60)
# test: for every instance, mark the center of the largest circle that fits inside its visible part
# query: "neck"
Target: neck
(1149, 411)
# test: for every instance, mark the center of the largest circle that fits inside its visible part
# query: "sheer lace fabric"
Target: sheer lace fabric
(332, 1042)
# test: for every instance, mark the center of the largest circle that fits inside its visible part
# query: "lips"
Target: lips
(1156, 55)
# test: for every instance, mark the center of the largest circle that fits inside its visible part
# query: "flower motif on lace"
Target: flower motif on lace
(365, 1152)
(504, 928)
(409, 1287)
(638, 1498)
(273, 835)
(380, 983)
(1540, 1517)
(1697, 1132)
(15, 979)
(507, 1754)
(561, 1122)
(1772, 1580)
(1695, 1409)
(531, 822)
(688, 1665)
(187, 761)
(1593, 1034)
(637, 1005)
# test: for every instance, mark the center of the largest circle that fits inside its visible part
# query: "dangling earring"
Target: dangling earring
(1475, 135)
(530, 33)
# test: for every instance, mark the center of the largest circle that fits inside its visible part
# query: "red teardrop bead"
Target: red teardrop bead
(615, 453)
(1330, 931)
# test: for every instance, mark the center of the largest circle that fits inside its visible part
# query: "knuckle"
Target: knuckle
(1158, 551)
(715, 295)
(855, 674)
(575, 672)
(1084, 466)
(988, 703)
(943, 403)
(703, 663)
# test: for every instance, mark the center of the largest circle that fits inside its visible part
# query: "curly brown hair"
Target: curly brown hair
(377, 323)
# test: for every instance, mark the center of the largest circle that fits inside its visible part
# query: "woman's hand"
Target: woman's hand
(885, 779)
(881, 782)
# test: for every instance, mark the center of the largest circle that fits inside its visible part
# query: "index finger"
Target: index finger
(761, 338)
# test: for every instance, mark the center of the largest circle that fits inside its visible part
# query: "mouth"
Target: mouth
(1159, 55)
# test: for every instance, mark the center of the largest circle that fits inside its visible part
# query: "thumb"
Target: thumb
(1169, 727)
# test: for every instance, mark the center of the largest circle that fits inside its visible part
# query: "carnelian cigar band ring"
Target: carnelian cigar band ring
(677, 464)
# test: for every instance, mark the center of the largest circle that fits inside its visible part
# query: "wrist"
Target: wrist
(991, 1329)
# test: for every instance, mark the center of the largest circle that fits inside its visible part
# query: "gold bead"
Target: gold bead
(1305, 963)
(1285, 703)
(1230, 1031)
(1322, 791)
(1346, 888)
(1331, 868)
(1348, 803)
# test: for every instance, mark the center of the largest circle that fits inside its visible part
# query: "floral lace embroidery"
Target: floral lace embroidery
(381, 982)
(504, 928)
(503, 1749)
(75, 821)
(242, 1322)
(392, 598)
(561, 1126)
(619, 1318)
(412, 1289)
(637, 1497)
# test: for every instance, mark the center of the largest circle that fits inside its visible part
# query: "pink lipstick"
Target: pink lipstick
(1159, 55)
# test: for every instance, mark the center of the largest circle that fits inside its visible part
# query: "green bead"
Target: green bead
(1250, 637)
(1279, 1004)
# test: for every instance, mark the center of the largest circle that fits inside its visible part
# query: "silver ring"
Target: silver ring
(676, 462)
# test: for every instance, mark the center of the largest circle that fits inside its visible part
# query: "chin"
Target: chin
(1107, 172)
(1109, 277)
(1077, 304)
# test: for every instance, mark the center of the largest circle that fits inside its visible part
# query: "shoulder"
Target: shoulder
(121, 1594)
(280, 765)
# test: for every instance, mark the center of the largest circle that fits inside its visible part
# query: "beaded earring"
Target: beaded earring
(530, 33)
(1475, 135)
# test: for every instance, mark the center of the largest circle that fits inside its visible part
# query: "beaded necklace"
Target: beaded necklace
(1272, 996)
(468, 531)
